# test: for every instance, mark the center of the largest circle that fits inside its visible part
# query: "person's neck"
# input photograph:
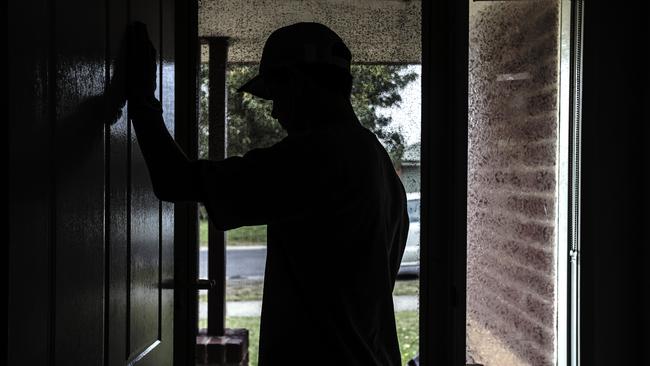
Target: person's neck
(331, 110)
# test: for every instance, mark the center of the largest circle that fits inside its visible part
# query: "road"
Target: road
(254, 308)
(241, 262)
(248, 262)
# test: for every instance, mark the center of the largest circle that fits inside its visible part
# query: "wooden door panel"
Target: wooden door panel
(118, 202)
(168, 75)
(146, 246)
(144, 266)
(90, 243)
(78, 218)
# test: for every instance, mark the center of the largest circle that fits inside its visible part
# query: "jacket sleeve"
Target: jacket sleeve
(289, 180)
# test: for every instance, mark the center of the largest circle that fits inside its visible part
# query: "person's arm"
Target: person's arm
(173, 175)
(293, 179)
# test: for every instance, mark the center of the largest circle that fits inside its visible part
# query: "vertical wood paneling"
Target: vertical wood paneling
(167, 232)
(145, 220)
(79, 30)
(89, 241)
(118, 205)
(163, 353)
(30, 205)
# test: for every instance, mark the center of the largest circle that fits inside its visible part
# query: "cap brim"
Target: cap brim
(257, 87)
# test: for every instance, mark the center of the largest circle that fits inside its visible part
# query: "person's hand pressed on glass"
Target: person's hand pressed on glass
(141, 70)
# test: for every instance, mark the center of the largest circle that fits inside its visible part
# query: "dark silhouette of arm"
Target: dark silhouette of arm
(291, 179)
(173, 175)
(295, 178)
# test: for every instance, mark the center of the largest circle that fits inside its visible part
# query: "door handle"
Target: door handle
(204, 284)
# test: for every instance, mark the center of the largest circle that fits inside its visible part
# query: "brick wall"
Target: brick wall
(512, 181)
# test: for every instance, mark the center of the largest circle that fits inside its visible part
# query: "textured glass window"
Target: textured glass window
(513, 119)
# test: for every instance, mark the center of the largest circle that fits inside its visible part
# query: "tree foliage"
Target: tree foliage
(250, 124)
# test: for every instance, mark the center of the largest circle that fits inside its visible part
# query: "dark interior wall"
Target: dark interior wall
(29, 181)
(89, 242)
(615, 185)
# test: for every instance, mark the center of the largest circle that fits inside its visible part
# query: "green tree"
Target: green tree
(250, 124)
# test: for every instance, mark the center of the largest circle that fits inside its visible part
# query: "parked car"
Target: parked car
(411, 259)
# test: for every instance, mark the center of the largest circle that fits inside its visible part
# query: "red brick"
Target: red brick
(532, 281)
(504, 319)
(509, 226)
(538, 180)
(512, 175)
(532, 206)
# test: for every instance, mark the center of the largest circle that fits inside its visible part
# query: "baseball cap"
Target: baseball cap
(302, 43)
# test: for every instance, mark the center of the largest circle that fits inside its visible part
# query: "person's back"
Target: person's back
(330, 274)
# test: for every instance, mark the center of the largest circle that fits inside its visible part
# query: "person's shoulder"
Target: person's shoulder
(326, 141)
(289, 149)
(355, 133)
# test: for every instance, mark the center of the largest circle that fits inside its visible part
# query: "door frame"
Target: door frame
(443, 253)
(444, 154)
(186, 229)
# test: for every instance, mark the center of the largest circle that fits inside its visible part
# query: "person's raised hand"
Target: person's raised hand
(141, 66)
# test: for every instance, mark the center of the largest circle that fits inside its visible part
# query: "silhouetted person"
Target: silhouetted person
(334, 205)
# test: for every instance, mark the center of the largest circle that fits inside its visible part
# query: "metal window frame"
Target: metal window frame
(562, 193)
(577, 26)
(568, 191)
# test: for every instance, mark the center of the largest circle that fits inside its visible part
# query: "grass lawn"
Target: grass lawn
(245, 290)
(240, 290)
(406, 287)
(407, 333)
(247, 235)
(408, 324)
